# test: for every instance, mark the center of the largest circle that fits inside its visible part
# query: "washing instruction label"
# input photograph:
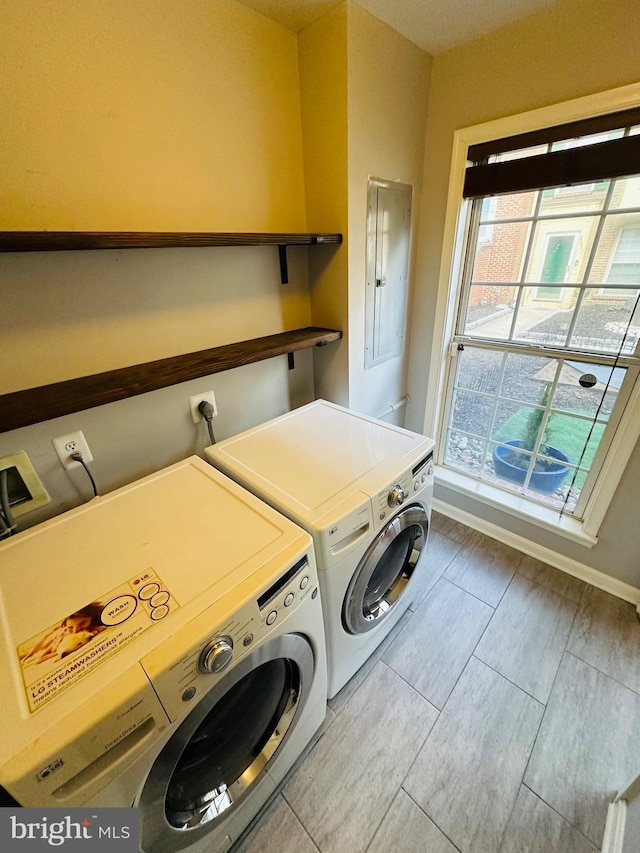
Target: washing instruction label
(63, 653)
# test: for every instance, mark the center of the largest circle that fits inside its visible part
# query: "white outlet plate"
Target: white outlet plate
(196, 400)
(65, 445)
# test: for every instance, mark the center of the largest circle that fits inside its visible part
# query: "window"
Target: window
(485, 232)
(625, 264)
(583, 188)
(544, 354)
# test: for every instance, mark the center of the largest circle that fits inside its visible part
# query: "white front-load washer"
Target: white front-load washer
(363, 489)
(162, 647)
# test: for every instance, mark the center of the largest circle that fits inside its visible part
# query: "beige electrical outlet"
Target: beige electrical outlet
(26, 491)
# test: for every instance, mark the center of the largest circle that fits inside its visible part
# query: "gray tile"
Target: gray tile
(351, 777)
(337, 703)
(439, 552)
(448, 527)
(277, 831)
(434, 647)
(588, 746)
(527, 636)
(484, 567)
(406, 828)
(535, 828)
(559, 582)
(606, 634)
(329, 718)
(467, 775)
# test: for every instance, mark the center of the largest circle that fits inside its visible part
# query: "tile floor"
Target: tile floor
(500, 716)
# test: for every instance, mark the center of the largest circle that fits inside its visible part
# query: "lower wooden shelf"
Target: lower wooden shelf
(22, 408)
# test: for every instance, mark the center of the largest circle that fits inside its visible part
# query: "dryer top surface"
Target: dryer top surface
(317, 455)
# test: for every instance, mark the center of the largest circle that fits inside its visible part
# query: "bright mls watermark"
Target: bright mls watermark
(102, 829)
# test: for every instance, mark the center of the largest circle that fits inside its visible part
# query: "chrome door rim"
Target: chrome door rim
(156, 832)
(353, 615)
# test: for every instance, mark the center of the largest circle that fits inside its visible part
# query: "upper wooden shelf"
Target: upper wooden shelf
(57, 241)
(65, 241)
(33, 405)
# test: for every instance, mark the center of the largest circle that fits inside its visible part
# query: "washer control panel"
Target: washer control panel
(206, 648)
(216, 655)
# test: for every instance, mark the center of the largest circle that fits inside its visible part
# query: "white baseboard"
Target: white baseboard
(546, 555)
(613, 841)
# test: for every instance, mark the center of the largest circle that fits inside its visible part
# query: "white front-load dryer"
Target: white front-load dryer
(363, 489)
(163, 648)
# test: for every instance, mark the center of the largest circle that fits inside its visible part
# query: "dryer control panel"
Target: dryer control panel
(209, 646)
(422, 474)
(408, 486)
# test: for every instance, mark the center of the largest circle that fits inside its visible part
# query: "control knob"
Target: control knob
(216, 655)
(397, 496)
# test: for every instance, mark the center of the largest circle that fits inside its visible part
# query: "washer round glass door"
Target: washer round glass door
(385, 570)
(224, 746)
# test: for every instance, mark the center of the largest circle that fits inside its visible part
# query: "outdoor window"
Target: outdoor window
(545, 350)
(625, 265)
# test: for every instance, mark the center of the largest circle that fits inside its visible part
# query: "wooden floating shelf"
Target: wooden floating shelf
(66, 241)
(63, 241)
(22, 408)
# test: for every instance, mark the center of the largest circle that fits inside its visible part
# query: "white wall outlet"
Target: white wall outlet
(65, 445)
(195, 401)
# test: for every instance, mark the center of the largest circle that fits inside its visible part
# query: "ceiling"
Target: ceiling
(434, 25)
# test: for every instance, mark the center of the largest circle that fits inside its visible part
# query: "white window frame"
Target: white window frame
(584, 531)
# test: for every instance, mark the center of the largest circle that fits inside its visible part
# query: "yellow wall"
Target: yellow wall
(158, 115)
(134, 116)
(576, 48)
(139, 115)
(364, 92)
(323, 93)
(388, 96)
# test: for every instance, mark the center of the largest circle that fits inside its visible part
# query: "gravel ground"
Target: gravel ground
(480, 312)
(601, 326)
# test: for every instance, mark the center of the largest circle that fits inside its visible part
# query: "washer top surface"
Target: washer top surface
(151, 554)
(316, 455)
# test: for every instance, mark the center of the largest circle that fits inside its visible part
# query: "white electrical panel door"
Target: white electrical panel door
(388, 240)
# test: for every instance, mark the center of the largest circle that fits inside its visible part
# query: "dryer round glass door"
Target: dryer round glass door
(385, 570)
(222, 749)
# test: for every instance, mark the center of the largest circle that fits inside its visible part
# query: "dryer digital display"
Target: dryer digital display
(268, 596)
(422, 464)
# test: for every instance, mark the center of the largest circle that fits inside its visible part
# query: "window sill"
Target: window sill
(541, 516)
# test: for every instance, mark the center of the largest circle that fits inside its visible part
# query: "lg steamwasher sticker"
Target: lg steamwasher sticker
(61, 654)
